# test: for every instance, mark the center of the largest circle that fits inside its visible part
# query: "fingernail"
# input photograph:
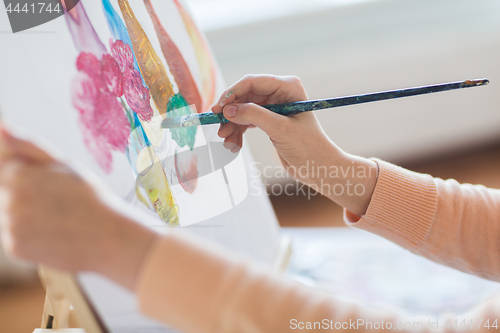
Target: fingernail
(230, 111)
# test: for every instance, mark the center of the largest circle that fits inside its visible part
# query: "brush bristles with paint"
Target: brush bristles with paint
(288, 109)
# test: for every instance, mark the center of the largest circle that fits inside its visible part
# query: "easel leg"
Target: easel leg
(57, 312)
(65, 305)
(48, 313)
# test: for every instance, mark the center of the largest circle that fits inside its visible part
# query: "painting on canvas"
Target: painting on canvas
(95, 83)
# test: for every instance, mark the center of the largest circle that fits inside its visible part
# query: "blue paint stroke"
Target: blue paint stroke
(139, 125)
(119, 30)
(138, 139)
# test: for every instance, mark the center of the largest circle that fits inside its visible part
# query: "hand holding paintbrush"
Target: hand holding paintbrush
(303, 147)
(289, 109)
(300, 141)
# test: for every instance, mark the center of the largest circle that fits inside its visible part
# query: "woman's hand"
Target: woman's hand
(297, 139)
(305, 151)
(50, 214)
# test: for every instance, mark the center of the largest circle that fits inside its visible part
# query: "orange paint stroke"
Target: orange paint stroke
(151, 67)
(176, 63)
(204, 57)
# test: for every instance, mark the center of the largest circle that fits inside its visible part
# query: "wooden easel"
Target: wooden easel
(66, 307)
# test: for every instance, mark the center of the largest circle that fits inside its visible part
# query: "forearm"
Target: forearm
(124, 245)
(346, 179)
(359, 176)
(203, 289)
(464, 234)
(450, 223)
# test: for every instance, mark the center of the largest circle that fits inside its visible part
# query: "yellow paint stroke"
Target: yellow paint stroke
(204, 57)
(151, 67)
(152, 177)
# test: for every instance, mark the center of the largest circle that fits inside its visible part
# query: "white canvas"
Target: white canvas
(39, 73)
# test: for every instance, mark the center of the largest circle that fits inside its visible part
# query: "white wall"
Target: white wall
(372, 46)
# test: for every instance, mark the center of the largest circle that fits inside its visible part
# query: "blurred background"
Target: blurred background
(349, 47)
(343, 47)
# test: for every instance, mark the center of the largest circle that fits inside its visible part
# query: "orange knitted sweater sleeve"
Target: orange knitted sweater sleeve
(455, 224)
(195, 286)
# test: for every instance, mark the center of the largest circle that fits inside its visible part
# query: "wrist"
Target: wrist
(350, 181)
(125, 246)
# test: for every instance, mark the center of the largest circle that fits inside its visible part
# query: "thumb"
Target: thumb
(253, 114)
(12, 146)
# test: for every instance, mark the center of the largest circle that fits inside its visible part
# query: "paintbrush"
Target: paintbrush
(288, 109)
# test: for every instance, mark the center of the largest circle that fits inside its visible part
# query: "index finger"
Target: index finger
(257, 84)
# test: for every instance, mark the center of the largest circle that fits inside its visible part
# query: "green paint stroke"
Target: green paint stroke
(177, 107)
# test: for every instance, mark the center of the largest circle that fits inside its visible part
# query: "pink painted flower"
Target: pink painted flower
(136, 94)
(122, 54)
(96, 90)
(84, 92)
(104, 124)
(109, 121)
(90, 65)
(112, 75)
